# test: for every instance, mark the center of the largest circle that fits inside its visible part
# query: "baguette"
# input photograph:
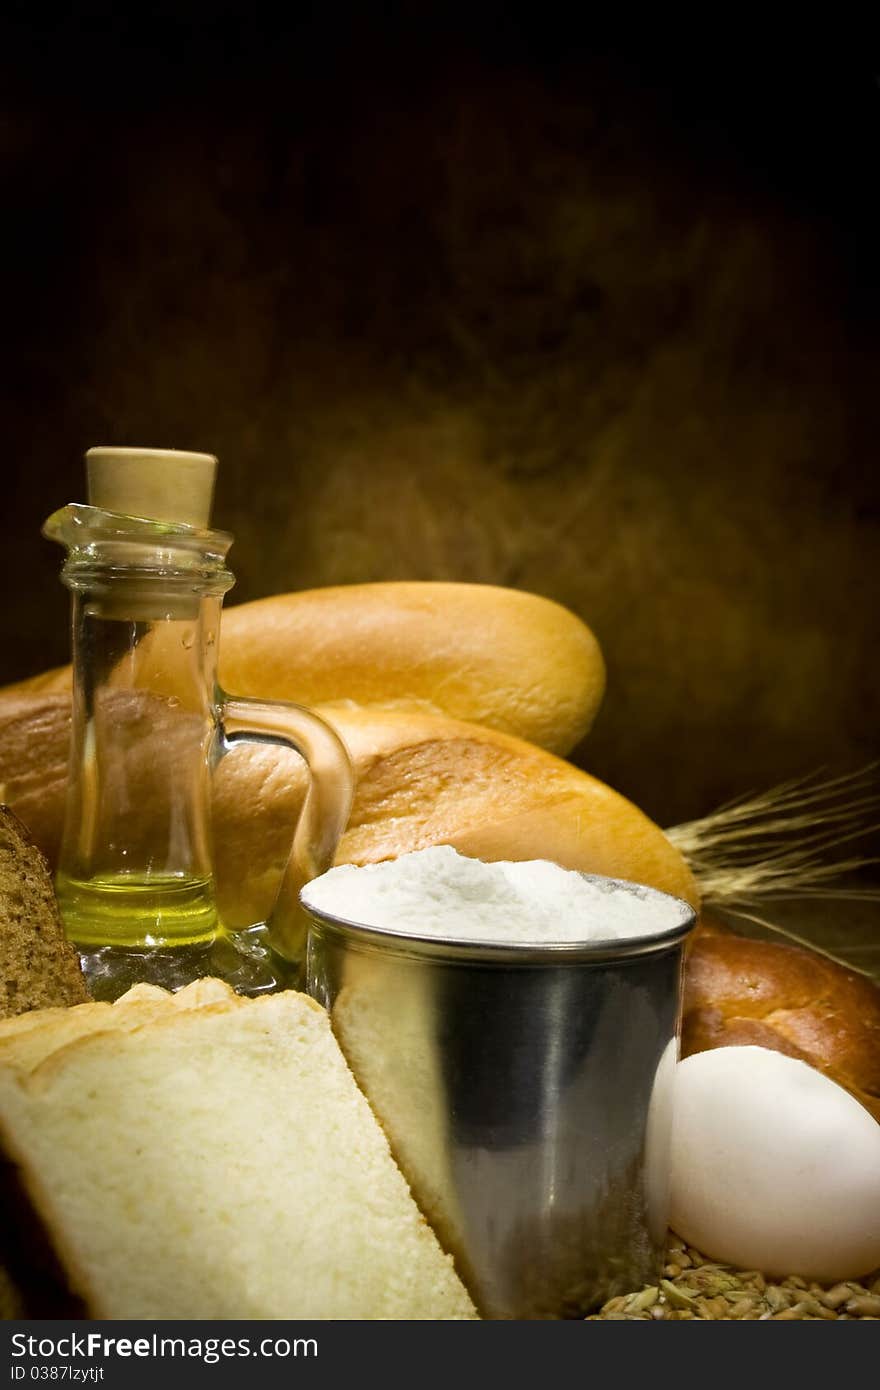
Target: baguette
(421, 780)
(511, 660)
(240, 1172)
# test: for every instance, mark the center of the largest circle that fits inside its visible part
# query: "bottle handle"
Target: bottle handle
(324, 814)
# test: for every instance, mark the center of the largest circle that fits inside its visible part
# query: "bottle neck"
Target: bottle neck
(128, 568)
(153, 638)
(147, 565)
(142, 596)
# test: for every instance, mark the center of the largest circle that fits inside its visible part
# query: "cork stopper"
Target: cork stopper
(161, 484)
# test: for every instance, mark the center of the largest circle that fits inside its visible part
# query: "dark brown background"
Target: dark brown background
(590, 314)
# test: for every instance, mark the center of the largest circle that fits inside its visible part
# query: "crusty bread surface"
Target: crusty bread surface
(240, 1171)
(511, 660)
(28, 1039)
(739, 991)
(34, 752)
(421, 780)
(38, 965)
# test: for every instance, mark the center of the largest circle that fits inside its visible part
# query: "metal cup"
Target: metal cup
(526, 1094)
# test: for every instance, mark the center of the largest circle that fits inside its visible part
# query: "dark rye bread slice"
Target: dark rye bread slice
(39, 967)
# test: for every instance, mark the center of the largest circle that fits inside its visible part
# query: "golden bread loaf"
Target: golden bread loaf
(511, 660)
(421, 780)
(740, 991)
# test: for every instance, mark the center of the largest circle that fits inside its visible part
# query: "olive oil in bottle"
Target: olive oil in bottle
(135, 910)
(150, 725)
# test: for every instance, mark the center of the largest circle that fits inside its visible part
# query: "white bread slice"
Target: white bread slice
(218, 1161)
(28, 1039)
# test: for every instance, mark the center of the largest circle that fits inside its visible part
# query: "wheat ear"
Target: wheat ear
(784, 843)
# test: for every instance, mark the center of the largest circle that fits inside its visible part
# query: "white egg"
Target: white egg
(774, 1167)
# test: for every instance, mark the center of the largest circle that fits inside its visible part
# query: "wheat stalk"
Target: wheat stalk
(784, 843)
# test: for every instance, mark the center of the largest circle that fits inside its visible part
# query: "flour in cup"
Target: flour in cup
(438, 892)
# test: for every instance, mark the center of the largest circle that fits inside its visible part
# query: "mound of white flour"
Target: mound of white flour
(438, 892)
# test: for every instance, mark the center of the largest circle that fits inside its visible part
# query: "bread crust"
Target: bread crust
(38, 965)
(740, 991)
(34, 747)
(421, 780)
